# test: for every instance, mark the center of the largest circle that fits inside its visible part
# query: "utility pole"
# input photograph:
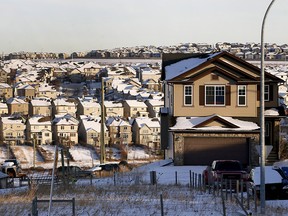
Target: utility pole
(34, 150)
(102, 143)
(262, 118)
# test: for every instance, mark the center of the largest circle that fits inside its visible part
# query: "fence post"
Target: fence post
(73, 206)
(161, 204)
(114, 178)
(190, 180)
(230, 187)
(176, 180)
(193, 180)
(153, 179)
(248, 196)
(241, 191)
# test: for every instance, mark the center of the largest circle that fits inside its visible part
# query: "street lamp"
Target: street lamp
(262, 117)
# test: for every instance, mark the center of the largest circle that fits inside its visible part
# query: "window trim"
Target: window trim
(191, 96)
(238, 95)
(266, 93)
(214, 104)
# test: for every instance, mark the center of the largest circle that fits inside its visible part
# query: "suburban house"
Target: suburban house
(65, 129)
(146, 131)
(26, 90)
(6, 91)
(64, 106)
(120, 131)
(113, 108)
(3, 109)
(4, 75)
(40, 106)
(39, 129)
(88, 106)
(12, 130)
(211, 109)
(17, 105)
(154, 107)
(90, 131)
(45, 90)
(135, 108)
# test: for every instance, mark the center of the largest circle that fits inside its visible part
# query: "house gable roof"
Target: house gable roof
(225, 63)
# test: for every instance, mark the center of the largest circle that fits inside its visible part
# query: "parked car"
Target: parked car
(105, 167)
(12, 168)
(276, 183)
(224, 169)
(74, 171)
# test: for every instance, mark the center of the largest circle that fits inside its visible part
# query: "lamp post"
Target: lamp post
(262, 117)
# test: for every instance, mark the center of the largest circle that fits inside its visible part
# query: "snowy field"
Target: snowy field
(131, 194)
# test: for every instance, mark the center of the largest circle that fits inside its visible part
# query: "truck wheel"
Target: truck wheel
(11, 173)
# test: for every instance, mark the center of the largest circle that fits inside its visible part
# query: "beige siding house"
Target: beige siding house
(134, 108)
(39, 130)
(12, 130)
(65, 129)
(146, 131)
(26, 91)
(17, 105)
(211, 109)
(6, 91)
(40, 106)
(64, 106)
(120, 131)
(88, 106)
(113, 108)
(90, 131)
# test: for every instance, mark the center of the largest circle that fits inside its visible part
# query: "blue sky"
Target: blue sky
(74, 25)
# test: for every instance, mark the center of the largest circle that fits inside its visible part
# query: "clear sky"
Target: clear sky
(84, 25)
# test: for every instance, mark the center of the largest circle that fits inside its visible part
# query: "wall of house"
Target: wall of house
(232, 110)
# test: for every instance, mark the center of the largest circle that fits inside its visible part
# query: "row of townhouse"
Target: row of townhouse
(69, 122)
(68, 130)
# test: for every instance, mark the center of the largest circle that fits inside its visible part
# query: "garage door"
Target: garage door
(203, 150)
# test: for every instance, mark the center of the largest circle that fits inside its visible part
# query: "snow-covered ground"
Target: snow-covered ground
(132, 194)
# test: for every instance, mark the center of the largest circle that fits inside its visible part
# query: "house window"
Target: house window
(215, 95)
(72, 134)
(72, 127)
(188, 95)
(47, 134)
(266, 93)
(242, 95)
(62, 127)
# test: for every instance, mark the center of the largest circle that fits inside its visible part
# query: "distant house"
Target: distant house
(113, 108)
(146, 131)
(134, 108)
(46, 90)
(64, 106)
(4, 75)
(3, 109)
(120, 131)
(12, 130)
(154, 107)
(65, 129)
(90, 131)
(88, 106)
(6, 91)
(17, 105)
(26, 91)
(39, 129)
(40, 106)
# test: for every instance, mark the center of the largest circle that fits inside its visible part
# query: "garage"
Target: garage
(203, 150)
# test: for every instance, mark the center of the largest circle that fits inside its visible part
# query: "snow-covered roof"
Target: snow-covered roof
(136, 103)
(112, 104)
(192, 123)
(115, 121)
(40, 120)
(178, 68)
(40, 102)
(150, 122)
(271, 112)
(92, 123)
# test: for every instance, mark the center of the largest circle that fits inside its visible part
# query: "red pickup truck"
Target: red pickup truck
(224, 169)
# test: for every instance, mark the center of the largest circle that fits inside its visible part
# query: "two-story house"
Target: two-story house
(211, 109)
(135, 108)
(65, 129)
(88, 106)
(154, 107)
(6, 91)
(12, 130)
(120, 131)
(46, 90)
(27, 91)
(39, 129)
(146, 131)
(113, 108)
(17, 105)
(40, 106)
(64, 106)
(90, 131)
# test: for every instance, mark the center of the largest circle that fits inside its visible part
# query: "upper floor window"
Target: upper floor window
(188, 91)
(242, 95)
(266, 93)
(215, 95)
